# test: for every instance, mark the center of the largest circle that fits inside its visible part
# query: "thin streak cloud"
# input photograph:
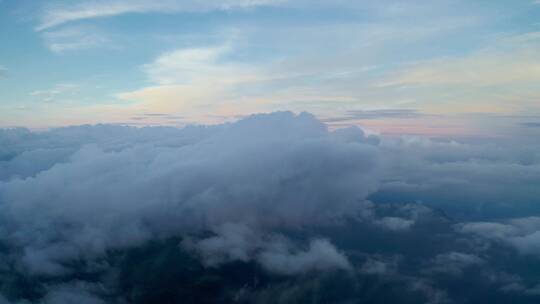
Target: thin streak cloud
(56, 14)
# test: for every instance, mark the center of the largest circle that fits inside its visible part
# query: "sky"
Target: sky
(437, 68)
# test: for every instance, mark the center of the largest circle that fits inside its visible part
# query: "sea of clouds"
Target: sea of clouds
(442, 220)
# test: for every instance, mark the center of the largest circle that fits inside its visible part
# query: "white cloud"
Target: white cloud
(188, 78)
(274, 252)
(56, 92)
(297, 74)
(489, 230)
(75, 38)
(188, 65)
(499, 77)
(320, 256)
(233, 242)
(55, 15)
(522, 233)
(481, 69)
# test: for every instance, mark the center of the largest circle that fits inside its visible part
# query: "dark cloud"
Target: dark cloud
(155, 114)
(162, 116)
(376, 114)
(273, 206)
(531, 124)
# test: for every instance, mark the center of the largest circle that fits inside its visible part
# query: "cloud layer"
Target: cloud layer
(274, 205)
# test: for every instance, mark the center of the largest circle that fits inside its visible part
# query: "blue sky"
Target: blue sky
(436, 68)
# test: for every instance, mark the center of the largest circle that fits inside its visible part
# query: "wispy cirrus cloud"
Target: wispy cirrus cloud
(501, 77)
(75, 38)
(482, 69)
(53, 93)
(194, 78)
(56, 15)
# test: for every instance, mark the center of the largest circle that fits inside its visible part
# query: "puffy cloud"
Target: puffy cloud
(374, 266)
(489, 230)
(453, 262)
(271, 204)
(77, 292)
(464, 179)
(394, 223)
(276, 254)
(321, 255)
(521, 233)
(261, 171)
(433, 295)
(529, 243)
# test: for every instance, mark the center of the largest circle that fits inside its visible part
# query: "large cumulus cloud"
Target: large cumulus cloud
(276, 191)
(266, 171)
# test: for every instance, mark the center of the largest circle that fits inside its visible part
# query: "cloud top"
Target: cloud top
(273, 205)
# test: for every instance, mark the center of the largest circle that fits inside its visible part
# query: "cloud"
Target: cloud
(320, 256)
(530, 124)
(54, 93)
(76, 292)
(377, 267)
(273, 204)
(149, 118)
(433, 295)
(521, 233)
(233, 242)
(477, 70)
(395, 223)
(508, 60)
(3, 71)
(55, 15)
(274, 252)
(376, 114)
(75, 38)
(453, 263)
(486, 79)
(235, 73)
(189, 78)
(293, 74)
(105, 181)
(184, 65)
